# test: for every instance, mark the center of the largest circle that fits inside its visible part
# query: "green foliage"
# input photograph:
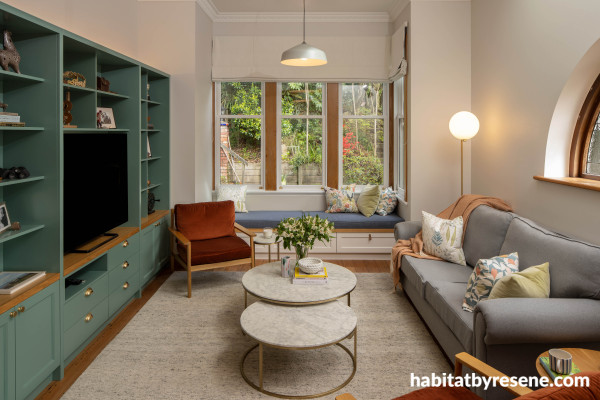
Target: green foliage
(242, 98)
(304, 231)
(362, 169)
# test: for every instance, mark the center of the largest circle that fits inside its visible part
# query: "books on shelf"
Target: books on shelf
(319, 278)
(11, 282)
(10, 118)
(2, 123)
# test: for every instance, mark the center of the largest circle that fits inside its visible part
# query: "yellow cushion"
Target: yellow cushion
(531, 282)
(368, 200)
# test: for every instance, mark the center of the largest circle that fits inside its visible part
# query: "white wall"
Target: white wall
(439, 85)
(523, 52)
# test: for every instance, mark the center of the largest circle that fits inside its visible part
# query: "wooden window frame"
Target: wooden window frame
(582, 134)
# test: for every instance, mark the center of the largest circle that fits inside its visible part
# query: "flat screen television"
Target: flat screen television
(95, 186)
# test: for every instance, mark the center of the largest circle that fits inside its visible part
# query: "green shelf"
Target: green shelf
(111, 94)
(17, 181)
(94, 130)
(7, 76)
(89, 276)
(21, 128)
(151, 130)
(151, 187)
(78, 88)
(91, 90)
(25, 230)
(150, 158)
(151, 102)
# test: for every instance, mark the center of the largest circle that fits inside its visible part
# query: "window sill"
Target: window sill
(581, 183)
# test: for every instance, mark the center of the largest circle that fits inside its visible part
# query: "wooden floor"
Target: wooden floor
(57, 388)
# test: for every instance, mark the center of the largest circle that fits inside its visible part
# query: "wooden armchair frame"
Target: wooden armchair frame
(477, 366)
(175, 257)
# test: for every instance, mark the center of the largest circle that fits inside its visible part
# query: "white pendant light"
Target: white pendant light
(304, 55)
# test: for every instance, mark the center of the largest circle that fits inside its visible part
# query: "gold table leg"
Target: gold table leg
(348, 299)
(269, 246)
(260, 366)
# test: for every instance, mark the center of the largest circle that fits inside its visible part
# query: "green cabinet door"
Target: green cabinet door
(147, 258)
(37, 340)
(161, 242)
(7, 356)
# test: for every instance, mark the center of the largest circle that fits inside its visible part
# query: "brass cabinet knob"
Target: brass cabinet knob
(157, 224)
(125, 265)
(13, 314)
(89, 317)
(89, 292)
(125, 285)
(126, 243)
(21, 309)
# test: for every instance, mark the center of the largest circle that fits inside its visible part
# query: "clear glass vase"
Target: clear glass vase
(301, 252)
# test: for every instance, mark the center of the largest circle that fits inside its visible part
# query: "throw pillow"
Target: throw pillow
(388, 200)
(443, 238)
(235, 193)
(342, 200)
(485, 274)
(531, 282)
(368, 200)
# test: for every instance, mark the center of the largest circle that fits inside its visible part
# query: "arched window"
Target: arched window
(585, 147)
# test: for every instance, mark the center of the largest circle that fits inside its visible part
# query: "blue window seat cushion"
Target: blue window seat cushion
(264, 219)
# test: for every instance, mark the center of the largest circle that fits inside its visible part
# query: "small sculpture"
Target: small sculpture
(9, 57)
(67, 116)
(3, 106)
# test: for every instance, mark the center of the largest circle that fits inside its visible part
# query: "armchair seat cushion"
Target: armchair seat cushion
(212, 251)
(201, 221)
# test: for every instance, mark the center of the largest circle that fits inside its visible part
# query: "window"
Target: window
(400, 134)
(585, 148)
(239, 132)
(363, 133)
(301, 132)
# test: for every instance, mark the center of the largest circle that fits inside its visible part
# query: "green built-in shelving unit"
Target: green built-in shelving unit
(138, 96)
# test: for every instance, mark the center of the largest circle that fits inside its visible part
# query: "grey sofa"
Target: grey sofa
(508, 334)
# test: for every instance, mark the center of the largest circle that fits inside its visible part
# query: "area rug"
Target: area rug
(180, 348)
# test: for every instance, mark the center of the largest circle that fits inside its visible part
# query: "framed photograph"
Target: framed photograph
(105, 118)
(4, 220)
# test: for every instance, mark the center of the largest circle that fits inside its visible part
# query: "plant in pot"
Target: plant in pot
(302, 233)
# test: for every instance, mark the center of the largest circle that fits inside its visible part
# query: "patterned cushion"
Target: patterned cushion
(388, 200)
(339, 201)
(235, 193)
(443, 238)
(485, 274)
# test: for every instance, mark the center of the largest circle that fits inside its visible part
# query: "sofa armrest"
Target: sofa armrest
(521, 321)
(407, 229)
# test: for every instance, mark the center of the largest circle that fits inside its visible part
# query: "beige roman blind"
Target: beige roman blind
(365, 58)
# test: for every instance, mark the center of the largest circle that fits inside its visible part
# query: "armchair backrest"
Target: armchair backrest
(201, 221)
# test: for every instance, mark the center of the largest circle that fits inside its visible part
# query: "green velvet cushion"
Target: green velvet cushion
(531, 282)
(368, 200)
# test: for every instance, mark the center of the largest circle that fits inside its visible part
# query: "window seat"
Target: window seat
(264, 219)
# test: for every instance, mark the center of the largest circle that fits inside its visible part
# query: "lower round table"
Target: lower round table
(584, 359)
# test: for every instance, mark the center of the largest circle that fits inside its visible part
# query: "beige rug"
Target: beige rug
(180, 348)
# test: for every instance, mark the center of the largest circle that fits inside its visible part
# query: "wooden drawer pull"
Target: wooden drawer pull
(125, 285)
(89, 317)
(21, 309)
(13, 314)
(125, 243)
(89, 292)
(370, 237)
(125, 265)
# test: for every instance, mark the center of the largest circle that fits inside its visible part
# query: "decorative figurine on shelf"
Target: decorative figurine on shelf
(15, 226)
(150, 126)
(9, 57)
(14, 173)
(151, 201)
(102, 84)
(147, 91)
(3, 106)
(67, 116)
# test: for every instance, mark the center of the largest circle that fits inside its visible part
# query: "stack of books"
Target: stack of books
(10, 119)
(11, 282)
(319, 278)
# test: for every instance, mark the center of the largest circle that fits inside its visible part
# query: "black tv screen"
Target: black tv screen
(95, 186)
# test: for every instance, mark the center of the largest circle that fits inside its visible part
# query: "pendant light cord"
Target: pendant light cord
(304, 23)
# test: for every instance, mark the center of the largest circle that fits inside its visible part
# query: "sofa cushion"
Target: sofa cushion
(443, 238)
(574, 265)
(532, 282)
(262, 219)
(419, 271)
(216, 250)
(446, 299)
(485, 233)
(200, 221)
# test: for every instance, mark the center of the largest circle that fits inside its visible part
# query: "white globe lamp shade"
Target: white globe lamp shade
(464, 125)
(304, 55)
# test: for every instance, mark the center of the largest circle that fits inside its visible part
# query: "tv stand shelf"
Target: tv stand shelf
(73, 261)
(8, 301)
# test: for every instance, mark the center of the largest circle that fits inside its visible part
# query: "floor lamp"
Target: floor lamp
(463, 126)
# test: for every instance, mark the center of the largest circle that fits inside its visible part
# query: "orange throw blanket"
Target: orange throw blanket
(462, 207)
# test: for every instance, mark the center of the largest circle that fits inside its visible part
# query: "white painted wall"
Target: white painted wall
(439, 85)
(523, 53)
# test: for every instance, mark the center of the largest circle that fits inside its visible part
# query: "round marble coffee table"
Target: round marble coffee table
(266, 283)
(298, 328)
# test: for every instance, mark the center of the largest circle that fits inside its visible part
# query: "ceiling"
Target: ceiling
(257, 6)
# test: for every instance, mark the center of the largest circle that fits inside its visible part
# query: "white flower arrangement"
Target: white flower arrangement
(303, 232)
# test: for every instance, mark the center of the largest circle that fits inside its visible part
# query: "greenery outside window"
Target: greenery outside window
(363, 133)
(239, 133)
(301, 127)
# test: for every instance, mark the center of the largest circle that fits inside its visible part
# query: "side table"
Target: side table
(260, 239)
(586, 360)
